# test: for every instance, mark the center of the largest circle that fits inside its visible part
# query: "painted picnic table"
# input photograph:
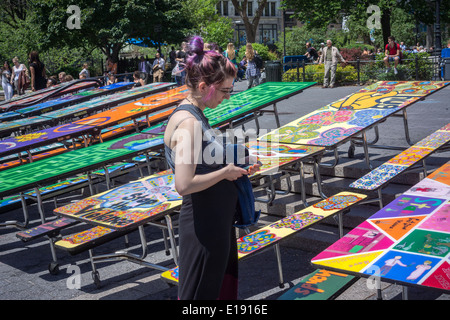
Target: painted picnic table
(127, 206)
(61, 102)
(16, 103)
(406, 242)
(254, 99)
(353, 115)
(92, 106)
(134, 110)
(278, 162)
(122, 210)
(26, 176)
(67, 131)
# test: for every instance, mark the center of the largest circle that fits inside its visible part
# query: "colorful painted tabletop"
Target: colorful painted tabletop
(336, 122)
(78, 97)
(47, 136)
(69, 130)
(274, 156)
(16, 103)
(48, 170)
(91, 106)
(254, 99)
(129, 205)
(404, 160)
(406, 242)
(135, 110)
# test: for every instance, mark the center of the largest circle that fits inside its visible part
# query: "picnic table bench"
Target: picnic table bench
(349, 119)
(406, 242)
(33, 175)
(272, 234)
(119, 211)
(408, 160)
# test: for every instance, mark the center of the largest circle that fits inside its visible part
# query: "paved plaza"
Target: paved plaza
(23, 266)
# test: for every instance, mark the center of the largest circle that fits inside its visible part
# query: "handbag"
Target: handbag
(176, 70)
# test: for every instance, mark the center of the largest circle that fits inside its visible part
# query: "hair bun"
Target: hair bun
(196, 45)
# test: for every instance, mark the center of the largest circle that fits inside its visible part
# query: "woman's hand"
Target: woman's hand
(254, 168)
(233, 172)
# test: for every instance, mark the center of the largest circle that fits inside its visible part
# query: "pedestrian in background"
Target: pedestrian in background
(330, 56)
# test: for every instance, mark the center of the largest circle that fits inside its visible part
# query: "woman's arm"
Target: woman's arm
(32, 78)
(188, 138)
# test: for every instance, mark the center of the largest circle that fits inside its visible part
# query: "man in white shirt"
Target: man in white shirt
(158, 68)
(330, 57)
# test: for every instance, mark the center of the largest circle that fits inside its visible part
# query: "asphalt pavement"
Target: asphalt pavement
(23, 266)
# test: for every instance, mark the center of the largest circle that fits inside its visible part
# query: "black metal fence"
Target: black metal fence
(360, 71)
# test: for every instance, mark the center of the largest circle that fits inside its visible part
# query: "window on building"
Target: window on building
(272, 9)
(269, 9)
(219, 8)
(268, 33)
(225, 8)
(241, 35)
(250, 8)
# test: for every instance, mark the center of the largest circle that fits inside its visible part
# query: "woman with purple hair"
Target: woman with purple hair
(208, 254)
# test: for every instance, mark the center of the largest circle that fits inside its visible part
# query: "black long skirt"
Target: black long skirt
(208, 264)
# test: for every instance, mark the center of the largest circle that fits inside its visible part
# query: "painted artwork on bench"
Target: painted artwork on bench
(404, 160)
(291, 224)
(275, 156)
(407, 241)
(337, 121)
(124, 206)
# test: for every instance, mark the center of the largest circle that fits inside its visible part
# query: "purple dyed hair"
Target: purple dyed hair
(208, 66)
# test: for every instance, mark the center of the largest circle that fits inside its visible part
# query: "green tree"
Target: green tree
(207, 23)
(108, 25)
(320, 13)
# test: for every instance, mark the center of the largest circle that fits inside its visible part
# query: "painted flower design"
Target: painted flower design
(364, 118)
(289, 134)
(328, 118)
(336, 202)
(255, 241)
(333, 136)
(297, 221)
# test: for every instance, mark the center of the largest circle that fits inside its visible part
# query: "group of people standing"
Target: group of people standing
(18, 78)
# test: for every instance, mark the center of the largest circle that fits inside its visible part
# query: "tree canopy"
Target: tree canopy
(319, 13)
(109, 24)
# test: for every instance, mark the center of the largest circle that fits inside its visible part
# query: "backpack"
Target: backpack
(258, 62)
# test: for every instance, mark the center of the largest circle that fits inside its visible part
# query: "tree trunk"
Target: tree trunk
(251, 27)
(386, 25)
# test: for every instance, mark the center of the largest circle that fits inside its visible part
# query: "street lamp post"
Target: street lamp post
(437, 29)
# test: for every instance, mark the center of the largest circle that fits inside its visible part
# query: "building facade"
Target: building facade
(270, 25)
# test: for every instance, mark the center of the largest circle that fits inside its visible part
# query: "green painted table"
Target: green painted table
(15, 180)
(254, 99)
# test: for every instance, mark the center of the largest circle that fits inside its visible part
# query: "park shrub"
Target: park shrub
(315, 72)
(375, 70)
(263, 52)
